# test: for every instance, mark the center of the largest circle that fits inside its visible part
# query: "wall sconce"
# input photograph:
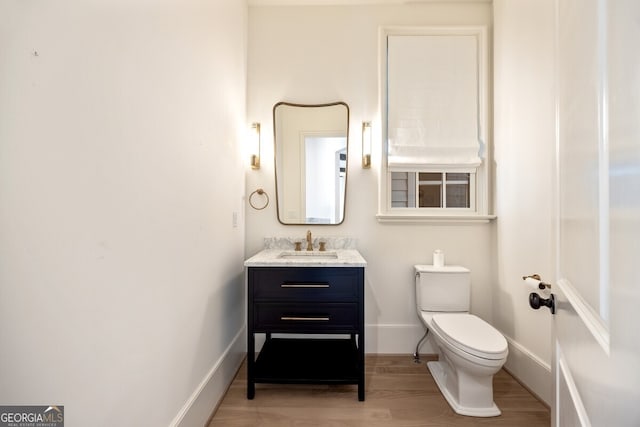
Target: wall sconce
(366, 145)
(254, 142)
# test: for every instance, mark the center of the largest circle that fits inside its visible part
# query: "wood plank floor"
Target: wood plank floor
(398, 393)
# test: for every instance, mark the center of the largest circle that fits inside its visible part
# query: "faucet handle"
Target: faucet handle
(298, 246)
(322, 246)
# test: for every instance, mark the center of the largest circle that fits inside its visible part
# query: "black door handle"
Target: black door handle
(536, 301)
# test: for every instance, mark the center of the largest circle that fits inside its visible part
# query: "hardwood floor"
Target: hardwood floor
(398, 393)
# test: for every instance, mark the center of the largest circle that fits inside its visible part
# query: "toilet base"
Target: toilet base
(439, 375)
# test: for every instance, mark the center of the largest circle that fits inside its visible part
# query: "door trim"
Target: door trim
(592, 320)
(565, 378)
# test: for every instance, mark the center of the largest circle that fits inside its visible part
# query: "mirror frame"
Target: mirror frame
(275, 160)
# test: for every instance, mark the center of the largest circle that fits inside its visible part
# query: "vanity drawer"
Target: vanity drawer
(306, 317)
(305, 283)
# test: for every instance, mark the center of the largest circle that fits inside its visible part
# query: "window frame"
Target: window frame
(413, 192)
(480, 200)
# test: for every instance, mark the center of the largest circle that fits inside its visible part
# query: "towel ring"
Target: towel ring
(260, 192)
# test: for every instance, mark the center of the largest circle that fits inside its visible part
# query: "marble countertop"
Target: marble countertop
(289, 258)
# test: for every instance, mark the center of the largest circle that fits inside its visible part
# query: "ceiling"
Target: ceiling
(351, 2)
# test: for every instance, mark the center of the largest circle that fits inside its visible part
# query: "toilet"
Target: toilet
(470, 351)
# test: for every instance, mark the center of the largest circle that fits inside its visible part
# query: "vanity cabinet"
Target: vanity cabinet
(325, 302)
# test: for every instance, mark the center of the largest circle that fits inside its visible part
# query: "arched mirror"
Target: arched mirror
(311, 162)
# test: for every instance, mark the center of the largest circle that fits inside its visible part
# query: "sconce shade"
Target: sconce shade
(255, 145)
(366, 145)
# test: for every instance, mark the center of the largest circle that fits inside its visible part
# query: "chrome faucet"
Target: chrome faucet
(309, 240)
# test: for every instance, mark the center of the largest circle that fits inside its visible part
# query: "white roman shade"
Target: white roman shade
(433, 97)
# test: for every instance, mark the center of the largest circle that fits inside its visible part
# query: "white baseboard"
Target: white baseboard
(396, 339)
(198, 408)
(381, 339)
(530, 370)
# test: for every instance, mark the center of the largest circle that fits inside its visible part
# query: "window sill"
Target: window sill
(438, 219)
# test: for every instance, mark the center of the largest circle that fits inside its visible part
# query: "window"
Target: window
(434, 123)
(439, 190)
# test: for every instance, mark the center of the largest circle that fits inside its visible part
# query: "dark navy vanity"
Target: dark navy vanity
(315, 305)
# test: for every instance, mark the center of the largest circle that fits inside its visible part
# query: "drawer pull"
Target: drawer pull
(304, 285)
(300, 318)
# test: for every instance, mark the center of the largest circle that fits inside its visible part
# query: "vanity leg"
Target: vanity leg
(251, 386)
(361, 366)
(251, 390)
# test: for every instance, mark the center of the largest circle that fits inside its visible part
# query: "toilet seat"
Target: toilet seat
(471, 334)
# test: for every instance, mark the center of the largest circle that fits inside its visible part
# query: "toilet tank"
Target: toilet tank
(446, 288)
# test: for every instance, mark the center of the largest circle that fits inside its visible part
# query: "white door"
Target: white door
(597, 287)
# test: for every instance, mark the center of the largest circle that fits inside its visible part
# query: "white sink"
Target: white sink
(308, 255)
(290, 258)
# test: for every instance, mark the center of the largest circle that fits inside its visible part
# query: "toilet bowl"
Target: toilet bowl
(470, 351)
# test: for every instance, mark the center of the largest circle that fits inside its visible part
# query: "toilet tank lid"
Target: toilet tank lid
(426, 268)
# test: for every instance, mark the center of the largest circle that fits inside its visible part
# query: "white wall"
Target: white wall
(322, 54)
(524, 130)
(121, 277)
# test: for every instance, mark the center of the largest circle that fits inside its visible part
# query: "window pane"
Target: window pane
(463, 177)
(458, 190)
(430, 190)
(403, 189)
(431, 176)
